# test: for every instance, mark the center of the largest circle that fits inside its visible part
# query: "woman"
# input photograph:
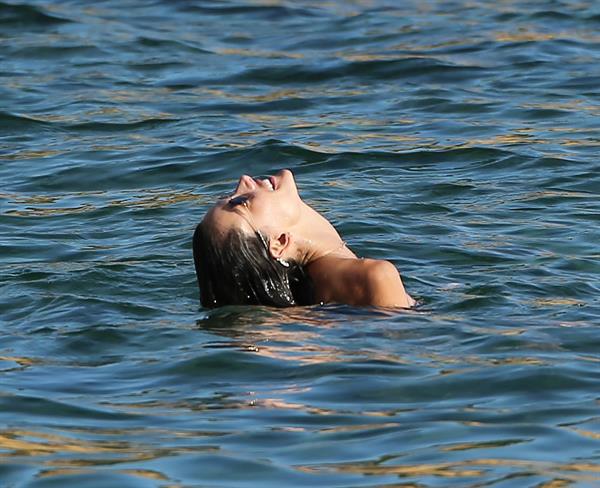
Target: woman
(264, 245)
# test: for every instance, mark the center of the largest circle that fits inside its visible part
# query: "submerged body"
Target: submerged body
(263, 244)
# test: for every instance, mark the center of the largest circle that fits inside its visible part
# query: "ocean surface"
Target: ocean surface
(458, 139)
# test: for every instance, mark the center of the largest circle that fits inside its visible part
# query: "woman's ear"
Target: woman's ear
(279, 244)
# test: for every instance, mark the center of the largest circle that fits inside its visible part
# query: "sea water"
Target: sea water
(458, 139)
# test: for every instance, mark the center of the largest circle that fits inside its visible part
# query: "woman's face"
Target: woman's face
(270, 205)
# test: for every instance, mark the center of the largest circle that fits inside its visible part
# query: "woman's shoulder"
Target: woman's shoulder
(373, 282)
(384, 285)
(376, 270)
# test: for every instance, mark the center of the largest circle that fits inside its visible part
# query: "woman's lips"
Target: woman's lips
(268, 183)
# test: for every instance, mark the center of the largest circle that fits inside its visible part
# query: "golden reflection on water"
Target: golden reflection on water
(32, 199)
(316, 354)
(524, 35)
(156, 199)
(255, 53)
(141, 473)
(528, 33)
(475, 360)
(536, 195)
(23, 444)
(31, 443)
(576, 104)
(48, 473)
(49, 212)
(445, 470)
(556, 302)
(557, 472)
(153, 198)
(31, 154)
(145, 473)
(575, 142)
(505, 331)
(370, 136)
(112, 147)
(22, 362)
(278, 94)
(201, 405)
(107, 111)
(514, 138)
(585, 433)
(468, 446)
(358, 427)
(266, 335)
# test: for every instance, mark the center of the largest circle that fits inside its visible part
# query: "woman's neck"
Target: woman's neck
(317, 238)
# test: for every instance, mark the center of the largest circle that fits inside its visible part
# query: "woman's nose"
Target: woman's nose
(246, 183)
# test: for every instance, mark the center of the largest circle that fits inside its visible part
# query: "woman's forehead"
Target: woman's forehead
(222, 219)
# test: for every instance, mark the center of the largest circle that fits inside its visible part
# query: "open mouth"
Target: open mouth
(268, 183)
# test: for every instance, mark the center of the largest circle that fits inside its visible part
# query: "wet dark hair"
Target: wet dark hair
(237, 269)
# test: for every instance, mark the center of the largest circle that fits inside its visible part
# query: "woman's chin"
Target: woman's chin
(284, 180)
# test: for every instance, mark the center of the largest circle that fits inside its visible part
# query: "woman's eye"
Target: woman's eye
(241, 200)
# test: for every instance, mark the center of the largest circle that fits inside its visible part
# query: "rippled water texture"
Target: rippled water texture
(457, 139)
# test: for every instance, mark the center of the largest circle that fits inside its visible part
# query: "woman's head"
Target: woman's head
(243, 249)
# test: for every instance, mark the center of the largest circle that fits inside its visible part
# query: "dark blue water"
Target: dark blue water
(459, 140)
